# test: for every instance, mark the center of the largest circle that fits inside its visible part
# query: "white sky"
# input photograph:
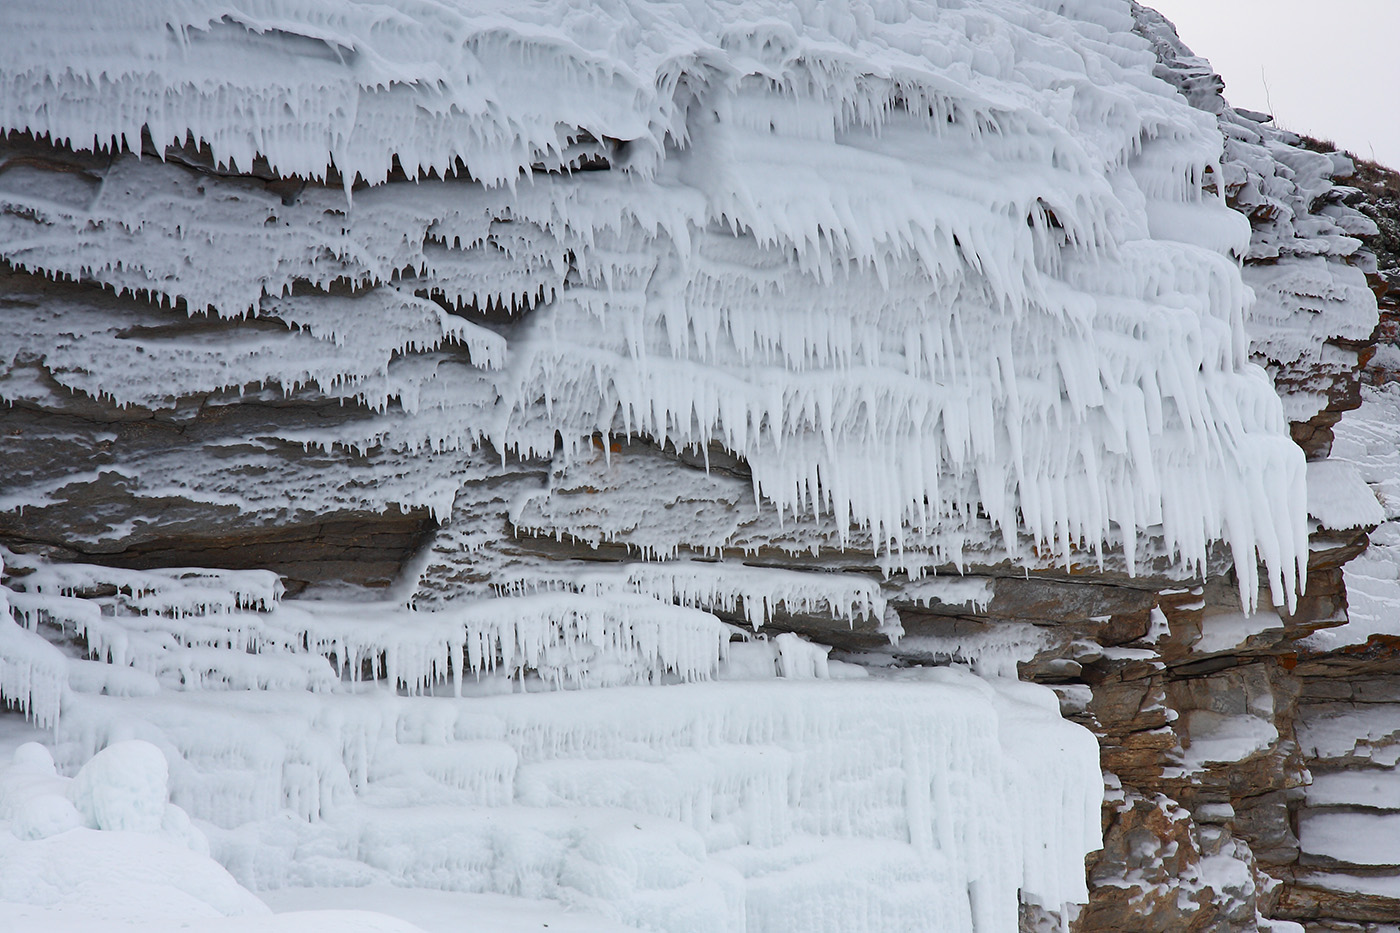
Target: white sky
(1332, 67)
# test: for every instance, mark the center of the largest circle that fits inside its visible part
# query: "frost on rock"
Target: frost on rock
(1305, 261)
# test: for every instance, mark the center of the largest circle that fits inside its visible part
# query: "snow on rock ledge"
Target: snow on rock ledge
(1339, 498)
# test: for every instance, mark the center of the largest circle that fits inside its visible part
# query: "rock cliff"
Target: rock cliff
(954, 388)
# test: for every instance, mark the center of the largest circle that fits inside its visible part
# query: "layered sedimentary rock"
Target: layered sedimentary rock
(1244, 742)
(566, 350)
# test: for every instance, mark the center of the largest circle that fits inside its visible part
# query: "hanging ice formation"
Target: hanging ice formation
(939, 283)
(922, 268)
(787, 797)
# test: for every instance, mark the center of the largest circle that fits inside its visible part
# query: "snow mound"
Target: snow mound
(123, 787)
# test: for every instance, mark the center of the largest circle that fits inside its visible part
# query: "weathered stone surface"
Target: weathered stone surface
(1322, 908)
(1159, 872)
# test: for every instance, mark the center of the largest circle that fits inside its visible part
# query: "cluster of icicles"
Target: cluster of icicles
(230, 630)
(927, 798)
(920, 266)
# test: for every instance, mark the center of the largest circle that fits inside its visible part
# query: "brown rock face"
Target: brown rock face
(176, 526)
(74, 461)
(1251, 769)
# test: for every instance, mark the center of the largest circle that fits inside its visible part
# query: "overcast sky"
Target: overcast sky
(1329, 68)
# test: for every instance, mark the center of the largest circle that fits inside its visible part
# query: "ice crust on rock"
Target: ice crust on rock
(1303, 238)
(200, 627)
(685, 807)
(961, 300)
(31, 669)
